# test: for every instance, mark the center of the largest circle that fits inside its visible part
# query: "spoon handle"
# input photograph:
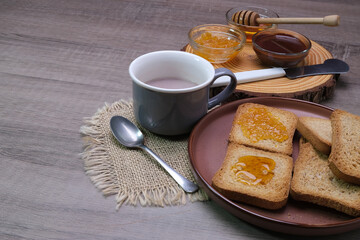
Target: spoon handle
(187, 185)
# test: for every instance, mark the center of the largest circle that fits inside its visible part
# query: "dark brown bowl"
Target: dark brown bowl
(280, 47)
(207, 149)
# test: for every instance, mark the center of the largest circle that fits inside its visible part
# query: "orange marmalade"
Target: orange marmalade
(259, 124)
(210, 40)
(254, 170)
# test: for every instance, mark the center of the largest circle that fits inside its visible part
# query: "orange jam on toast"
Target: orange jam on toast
(254, 170)
(259, 124)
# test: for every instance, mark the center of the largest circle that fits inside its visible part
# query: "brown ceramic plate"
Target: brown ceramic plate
(207, 147)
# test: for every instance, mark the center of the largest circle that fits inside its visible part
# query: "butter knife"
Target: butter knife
(330, 66)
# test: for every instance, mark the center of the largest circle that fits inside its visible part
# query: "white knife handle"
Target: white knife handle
(251, 76)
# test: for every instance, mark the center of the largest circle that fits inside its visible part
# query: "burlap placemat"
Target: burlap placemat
(131, 174)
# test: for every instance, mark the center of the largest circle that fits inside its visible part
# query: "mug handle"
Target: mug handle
(224, 94)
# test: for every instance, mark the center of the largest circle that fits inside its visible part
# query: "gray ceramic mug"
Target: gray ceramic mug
(171, 90)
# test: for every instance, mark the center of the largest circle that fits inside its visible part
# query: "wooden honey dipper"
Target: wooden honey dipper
(252, 18)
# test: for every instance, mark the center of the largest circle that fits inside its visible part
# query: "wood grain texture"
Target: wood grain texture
(62, 60)
(313, 88)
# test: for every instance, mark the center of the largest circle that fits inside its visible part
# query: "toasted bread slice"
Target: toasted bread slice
(271, 195)
(317, 131)
(286, 118)
(344, 158)
(314, 182)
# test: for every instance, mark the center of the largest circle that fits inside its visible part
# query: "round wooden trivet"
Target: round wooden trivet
(312, 88)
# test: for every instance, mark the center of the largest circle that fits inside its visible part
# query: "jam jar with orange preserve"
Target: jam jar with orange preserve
(280, 47)
(215, 42)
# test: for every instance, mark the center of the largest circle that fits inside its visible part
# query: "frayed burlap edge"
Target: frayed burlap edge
(100, 168)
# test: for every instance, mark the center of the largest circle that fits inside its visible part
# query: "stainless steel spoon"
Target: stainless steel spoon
(131, 136)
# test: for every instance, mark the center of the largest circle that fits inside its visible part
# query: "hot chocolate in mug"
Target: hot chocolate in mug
(171, 90)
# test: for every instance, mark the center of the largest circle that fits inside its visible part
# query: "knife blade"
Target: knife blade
(330, 66)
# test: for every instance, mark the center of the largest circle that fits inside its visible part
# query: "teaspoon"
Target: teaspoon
(131, 136)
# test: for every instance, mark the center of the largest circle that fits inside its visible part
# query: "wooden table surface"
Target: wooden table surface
(62, 60)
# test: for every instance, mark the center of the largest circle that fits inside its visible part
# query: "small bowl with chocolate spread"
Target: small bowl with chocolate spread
(280, 47)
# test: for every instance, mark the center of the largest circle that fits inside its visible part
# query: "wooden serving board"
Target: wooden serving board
(312, 88)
